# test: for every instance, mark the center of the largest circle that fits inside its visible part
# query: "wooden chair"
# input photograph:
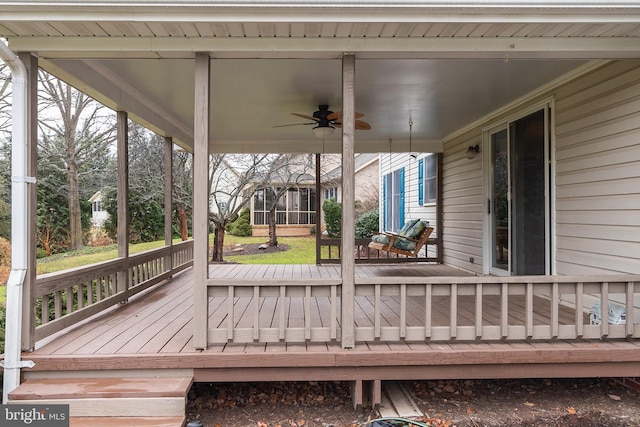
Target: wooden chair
(419, 240)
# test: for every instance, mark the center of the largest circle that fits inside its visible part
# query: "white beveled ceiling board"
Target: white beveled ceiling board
(251, 96)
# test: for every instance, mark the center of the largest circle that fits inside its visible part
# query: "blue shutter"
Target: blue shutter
(384, 202)
(421, 181)
(401, 198)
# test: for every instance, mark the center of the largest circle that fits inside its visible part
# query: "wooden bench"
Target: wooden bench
(420, 241)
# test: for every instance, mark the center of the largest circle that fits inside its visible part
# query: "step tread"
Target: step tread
(127, 421)
(83, 388)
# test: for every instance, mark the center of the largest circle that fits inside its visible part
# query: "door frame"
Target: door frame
(550, 189)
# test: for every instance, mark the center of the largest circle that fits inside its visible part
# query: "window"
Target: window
(393, 200)
(331, 193)
(427, 179)
(295, 206)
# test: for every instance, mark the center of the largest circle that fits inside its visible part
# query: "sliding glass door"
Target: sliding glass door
(519, 207)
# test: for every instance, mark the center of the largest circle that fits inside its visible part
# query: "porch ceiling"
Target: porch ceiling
(444, 67)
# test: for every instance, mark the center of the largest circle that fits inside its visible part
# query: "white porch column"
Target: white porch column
(201, 200)
(122, 130)
(348, 188)
(168, 200)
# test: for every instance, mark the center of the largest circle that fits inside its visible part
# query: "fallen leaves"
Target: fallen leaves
(615, 397)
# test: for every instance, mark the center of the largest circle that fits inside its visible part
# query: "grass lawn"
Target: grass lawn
(301, 251)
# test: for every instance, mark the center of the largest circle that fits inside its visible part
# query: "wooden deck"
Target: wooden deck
(152, 334)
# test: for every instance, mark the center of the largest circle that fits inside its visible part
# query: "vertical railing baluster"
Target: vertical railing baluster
(630, 319)
(376, 312)
(529, 311)
(44, 315)
(230, 312)
(479, 298)
(453, 311)
(428, 302)
(555, 316)
(57, 304)
(604, 309)
(334, 312)
(307, 313)
(256, 313)
(69, 295)
(403, 311)
(578, 310)
(504, 310)
(283, 300)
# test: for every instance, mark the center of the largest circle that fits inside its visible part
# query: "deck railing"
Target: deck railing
(68, 297)
(274, 310)
(425, 309)
(331, 253)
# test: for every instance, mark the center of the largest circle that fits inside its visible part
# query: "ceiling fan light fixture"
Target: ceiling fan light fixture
(323, 131)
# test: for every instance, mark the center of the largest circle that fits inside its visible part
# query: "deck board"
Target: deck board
(155, 330)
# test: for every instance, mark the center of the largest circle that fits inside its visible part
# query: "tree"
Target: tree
(5, 190)
(77, 131)
(182, 191)
(230, 177)
(283, 172)
(5, 151)
(5, 101)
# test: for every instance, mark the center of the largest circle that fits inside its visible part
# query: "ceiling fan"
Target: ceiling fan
(326, 121)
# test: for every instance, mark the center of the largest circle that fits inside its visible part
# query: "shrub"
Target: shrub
(5, 253)
(367, 224)
(332, 217)
(242, 225)
(5, 261)
(2, 326)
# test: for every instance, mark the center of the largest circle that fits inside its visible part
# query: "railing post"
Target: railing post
(201, 200)
(347, 234)
(168, 201)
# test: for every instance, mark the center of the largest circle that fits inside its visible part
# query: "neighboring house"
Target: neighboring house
(296, 214)
(295, 211)
(98, 214)
(409, 189)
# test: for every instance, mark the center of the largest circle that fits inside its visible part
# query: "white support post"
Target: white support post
(201, 200)
(348, 208)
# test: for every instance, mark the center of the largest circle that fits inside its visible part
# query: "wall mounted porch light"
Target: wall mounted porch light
(472, 151)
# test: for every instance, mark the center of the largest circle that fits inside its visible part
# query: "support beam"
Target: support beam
(122, 129)
(318, 209)
(29, 288)
(201, 200)
(168, 200)
(348, 209)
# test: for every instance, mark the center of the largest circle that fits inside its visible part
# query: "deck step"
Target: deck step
(141, 398)
(127, 421)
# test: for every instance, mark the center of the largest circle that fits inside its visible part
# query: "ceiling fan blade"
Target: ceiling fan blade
(360, 125)
(296, 124)
(338, 116)
(304, 116)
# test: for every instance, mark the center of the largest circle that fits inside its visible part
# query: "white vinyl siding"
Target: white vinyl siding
(412, 207)
(598, 172)
(596, 159)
